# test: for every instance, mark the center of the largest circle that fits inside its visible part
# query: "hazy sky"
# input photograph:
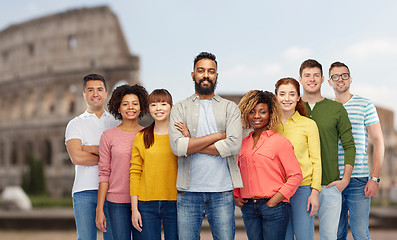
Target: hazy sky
(256, 42)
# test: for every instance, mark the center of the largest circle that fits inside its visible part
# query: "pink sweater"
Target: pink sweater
(114, 163)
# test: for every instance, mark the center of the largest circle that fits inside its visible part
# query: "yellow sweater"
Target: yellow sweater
(153, 171)
(303, 134)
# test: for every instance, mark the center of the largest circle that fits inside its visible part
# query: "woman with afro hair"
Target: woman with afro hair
(269, 169)
(127, 104)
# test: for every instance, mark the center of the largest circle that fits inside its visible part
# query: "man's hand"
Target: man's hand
(312, 202)
(339, 184)
(371, 188)
(239, 202)
(181, 126)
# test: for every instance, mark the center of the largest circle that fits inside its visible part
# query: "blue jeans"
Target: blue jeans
(219, 207)
(300, 224)
(354, 202)
(153, 213)
(120, 221)
(263, 222)
(329, 212)
(84, 206)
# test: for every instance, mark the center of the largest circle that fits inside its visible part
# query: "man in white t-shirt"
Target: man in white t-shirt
(82, 142)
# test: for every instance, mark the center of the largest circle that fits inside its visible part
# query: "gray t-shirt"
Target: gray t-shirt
(209, 173)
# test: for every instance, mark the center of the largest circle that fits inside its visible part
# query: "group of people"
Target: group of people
(302, 154)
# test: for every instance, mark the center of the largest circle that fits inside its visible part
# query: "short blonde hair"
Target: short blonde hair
(254, 97)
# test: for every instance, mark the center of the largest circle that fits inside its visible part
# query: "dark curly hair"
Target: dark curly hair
(254, 97)
(120, 92)
(205, 55)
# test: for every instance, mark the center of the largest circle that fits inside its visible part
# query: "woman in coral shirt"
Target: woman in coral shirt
(269, 169)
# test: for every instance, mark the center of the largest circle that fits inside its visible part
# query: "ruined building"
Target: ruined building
(42, 64)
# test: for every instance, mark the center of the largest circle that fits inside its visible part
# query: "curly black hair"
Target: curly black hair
(120, 92)
(204, 55)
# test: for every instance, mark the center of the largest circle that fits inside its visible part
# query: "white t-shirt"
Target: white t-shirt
(88, 128)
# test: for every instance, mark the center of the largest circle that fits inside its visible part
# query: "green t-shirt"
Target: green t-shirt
(333, 123)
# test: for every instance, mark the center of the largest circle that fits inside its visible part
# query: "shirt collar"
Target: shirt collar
(267, 133)
(195, 97)
(86, 114)
(295, 117)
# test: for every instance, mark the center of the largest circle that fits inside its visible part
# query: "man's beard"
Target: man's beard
(205, 90)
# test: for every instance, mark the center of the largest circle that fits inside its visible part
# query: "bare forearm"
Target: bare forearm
(347, 173)
(91, 149)
(134, 202)
(84, 158)
(276, 199)
(102, 191)
(211, 150)
(377, 160)
(200, 143)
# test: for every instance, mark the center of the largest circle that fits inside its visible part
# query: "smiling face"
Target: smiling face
(259, 117)
(160, 111)
(130, 107)
(287, 96)
(311, 80)
(205, 76)
(95, 94)
(340, 85)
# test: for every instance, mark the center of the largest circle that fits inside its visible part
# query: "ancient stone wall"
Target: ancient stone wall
(42, 64)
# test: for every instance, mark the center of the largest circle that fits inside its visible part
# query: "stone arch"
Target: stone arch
(16, 107)
(28, 151)
(14, 153)
(48, 102)
(30, 104)
(46, 152)
(69, 101)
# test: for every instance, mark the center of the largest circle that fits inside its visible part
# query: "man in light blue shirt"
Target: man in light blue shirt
(207, 168)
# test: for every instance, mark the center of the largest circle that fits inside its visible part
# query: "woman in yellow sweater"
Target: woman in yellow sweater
(303, 134)
(153, 174)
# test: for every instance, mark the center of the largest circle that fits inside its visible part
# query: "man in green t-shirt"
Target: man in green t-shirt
(333, 124)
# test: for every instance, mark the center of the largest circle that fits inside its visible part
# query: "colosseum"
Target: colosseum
(42, 63)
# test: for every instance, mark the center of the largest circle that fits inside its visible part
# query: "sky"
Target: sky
(256, 42)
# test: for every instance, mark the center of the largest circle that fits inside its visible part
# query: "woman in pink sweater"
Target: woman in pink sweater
(127, 104)
(269, 169)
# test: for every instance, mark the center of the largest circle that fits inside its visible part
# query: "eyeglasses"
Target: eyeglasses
(336, 77)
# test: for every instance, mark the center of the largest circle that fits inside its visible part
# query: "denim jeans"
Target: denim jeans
(153, 213)
(120, 221)
(354, 202)
(262, 222)
(193, 206)
(84, 206)
(300, 223)
(329, 212)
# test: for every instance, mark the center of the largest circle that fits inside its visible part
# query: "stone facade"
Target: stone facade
(42, 64)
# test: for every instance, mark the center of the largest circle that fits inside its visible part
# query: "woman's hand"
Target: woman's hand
(100, 220)
(136, 220)
(312, 202)
(239, 202)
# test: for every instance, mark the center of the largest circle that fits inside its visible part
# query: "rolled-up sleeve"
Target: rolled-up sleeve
(178, 142)
(232, 143)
